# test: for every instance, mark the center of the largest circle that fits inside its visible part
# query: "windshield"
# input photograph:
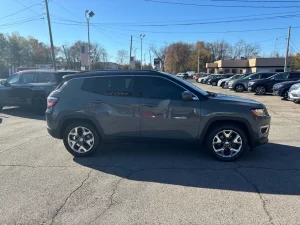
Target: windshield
(187, 83)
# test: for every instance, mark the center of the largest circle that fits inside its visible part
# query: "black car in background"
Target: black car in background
(263, 86)
(30, 88)
(282, 89)
(214, 80)
(205, 80)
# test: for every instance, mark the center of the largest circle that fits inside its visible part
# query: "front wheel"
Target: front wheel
(222, 84)
(227, 142)
(39, 105)
(260, 90)
(239, 88)
(81, 139)
(285, 95)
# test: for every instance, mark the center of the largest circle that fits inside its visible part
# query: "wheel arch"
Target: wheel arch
(215, 122)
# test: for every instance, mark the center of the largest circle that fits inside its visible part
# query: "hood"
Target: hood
(243, 101)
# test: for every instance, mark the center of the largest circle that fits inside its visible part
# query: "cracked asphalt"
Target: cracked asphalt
(148, 183)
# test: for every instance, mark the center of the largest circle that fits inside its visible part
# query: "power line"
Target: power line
(223, 6)
(294, 45)
(59, 5)
(19, 22)
(19, 11)
(28, 8)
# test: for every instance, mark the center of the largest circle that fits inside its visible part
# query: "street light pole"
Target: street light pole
(88, 16)
(142, 36)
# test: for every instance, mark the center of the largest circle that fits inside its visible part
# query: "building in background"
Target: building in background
(247, 65)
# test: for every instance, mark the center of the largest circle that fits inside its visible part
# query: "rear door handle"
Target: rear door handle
(150, 105)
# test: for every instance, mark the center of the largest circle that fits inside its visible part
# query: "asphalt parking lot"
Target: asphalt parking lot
(148, 183)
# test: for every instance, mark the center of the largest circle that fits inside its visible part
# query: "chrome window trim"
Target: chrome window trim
(195, 98)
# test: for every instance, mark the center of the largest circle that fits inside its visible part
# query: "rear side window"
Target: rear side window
(157, 88)
(265, 75)
(281, 76)
(120, 86)
(294, 75)
(45, 78)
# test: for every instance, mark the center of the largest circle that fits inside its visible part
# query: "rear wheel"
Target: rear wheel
(227, 142)
(39, 105)
(285, 95)
(81, 139)
(260, 90)
(239, 88)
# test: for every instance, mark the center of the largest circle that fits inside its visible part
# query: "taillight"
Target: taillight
(51, 101)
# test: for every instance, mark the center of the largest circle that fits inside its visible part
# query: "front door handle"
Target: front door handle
(150, 105)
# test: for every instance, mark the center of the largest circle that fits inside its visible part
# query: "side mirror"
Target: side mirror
(187, 95)
(2, 82)
(249, 78)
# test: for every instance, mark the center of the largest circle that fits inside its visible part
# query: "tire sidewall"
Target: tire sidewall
(257, 91)
(39, 107)
(236, 88)
(94, 132)
(285, 95)
(216, 130)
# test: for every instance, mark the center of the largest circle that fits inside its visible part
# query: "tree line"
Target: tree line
(17, 51)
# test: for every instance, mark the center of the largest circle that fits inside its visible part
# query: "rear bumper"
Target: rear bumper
(54, 133)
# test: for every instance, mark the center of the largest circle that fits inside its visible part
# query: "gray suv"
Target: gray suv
(91, 107)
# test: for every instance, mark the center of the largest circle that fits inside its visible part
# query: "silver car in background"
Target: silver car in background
(294, 92)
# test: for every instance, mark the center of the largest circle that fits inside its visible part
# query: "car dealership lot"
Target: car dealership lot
(148, 183)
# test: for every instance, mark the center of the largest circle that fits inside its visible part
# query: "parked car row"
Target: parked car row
(284, 84)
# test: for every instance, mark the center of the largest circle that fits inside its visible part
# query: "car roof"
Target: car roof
(47, 71)
(112, 72)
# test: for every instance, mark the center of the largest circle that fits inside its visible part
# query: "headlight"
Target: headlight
(260, 112)
(230, 82)
(294, 87)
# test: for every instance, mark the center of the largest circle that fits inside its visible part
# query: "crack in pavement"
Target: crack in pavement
(263, 201)
(111, 201)
(69, 196)
(23, 143)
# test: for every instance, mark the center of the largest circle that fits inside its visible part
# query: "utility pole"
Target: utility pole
(88, 16)
(135, 53)
(150, 57)
(198, 61)
(104, 61)
(287, 49)
(145, 58)
(66, 56)
(142, 36)
(50, 34)
(130, 52)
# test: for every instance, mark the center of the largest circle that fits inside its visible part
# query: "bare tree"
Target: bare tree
(122, 56)
(160, 53)
(220, 50)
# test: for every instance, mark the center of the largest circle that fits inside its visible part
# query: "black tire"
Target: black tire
(1, 107)
(78, 153)
(260, 90)
(237, 130)
(214, 84)
(239, 88)
(285, 95)
(39, 105)
(222, 84)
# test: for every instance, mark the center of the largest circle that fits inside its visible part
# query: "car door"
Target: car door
(163, 113)
(113, 104)
(7, 91)
(23, 91)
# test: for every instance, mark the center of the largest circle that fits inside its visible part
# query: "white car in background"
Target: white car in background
(221, 83)
(200, 79)
(294, 92)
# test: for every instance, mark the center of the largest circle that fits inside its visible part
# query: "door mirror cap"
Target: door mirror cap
(187, 95)
(2, 82)
(249, 78)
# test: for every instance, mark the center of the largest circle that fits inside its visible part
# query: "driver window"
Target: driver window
(14, 79)
(27, 78)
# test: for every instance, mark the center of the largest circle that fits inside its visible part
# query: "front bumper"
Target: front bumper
(277, 92)
(294, 95)
(251, 88)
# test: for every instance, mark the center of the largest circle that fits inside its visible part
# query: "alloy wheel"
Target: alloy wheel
(239, 88)
(260, 90)
(227, 143)
(81, 139)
